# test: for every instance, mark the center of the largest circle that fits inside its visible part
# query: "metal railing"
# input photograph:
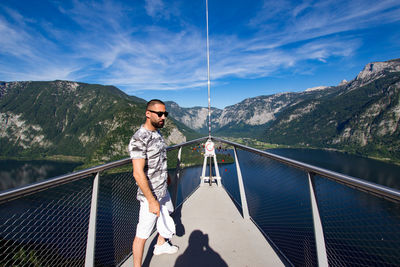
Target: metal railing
(84, 218)
(312, 216)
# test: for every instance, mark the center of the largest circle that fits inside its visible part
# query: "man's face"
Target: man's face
(156, 121)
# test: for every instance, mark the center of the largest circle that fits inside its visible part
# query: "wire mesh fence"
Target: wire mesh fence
(279, 202)
(185, 177)
(360, 229)
(48, 228)
(117, 216)
(229, 176)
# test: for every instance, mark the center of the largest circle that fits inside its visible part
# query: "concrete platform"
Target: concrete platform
(212, 232)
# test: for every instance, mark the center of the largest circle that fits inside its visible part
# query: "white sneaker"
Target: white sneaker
(165, 248)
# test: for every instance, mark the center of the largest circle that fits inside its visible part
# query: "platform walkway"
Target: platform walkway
(212, 232)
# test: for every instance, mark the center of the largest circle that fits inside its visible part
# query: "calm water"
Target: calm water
(278, 200)
(368, 169)
(15, 173)
(360, 229)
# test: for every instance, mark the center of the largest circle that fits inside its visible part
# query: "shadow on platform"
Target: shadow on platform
(199, 253)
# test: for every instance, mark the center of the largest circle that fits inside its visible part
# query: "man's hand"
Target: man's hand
(141, 180)
(169, 180)
(154, 207)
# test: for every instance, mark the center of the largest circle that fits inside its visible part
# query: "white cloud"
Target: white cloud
(44, 74)
(109, 45)
(155, 8)
(250, 58)
(306, 20)
(97, 16)
(15, 40)
(162, 60)
(27, 54)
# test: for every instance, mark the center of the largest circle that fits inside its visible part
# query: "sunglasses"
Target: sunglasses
(159, 113)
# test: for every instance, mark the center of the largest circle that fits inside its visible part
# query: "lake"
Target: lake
(375, 171)
(359, 228)
(16, 173)
(277, 196)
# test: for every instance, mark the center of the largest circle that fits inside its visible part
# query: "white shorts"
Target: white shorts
(147, 220)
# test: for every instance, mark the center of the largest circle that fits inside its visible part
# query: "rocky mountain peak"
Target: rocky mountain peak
(5, 87)
(376, 68)
(316, 88)
(66, 85)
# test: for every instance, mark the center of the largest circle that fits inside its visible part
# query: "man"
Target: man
(149, 159)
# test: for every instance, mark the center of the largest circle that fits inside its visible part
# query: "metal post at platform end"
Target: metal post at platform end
(210, 180)
(318, 230)
(217, 175)
(243, 198)
(91, 237)
(177, 176)
(203, 172)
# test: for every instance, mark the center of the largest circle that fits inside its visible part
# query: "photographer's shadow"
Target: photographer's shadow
(199, 253)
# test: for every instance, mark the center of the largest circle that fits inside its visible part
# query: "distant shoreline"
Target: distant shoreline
(266, 146)
(252, 143)
(58, 158)
(386, 160)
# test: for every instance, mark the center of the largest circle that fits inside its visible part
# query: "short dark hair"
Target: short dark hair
(153, 102)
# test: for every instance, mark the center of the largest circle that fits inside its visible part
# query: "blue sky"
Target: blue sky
(157, 48)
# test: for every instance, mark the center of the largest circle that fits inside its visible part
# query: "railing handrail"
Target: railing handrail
(381, 190)
(58, 180)
(387, 192)
(187, 143)
(11, 194)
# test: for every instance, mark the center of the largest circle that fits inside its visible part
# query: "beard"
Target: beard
(158, 124)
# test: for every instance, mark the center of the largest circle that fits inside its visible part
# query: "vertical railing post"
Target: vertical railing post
(243, 199)
(217, 175)
(91, 238)
(210, 180)
(216, 166)
(318, 230)
(203, 172)
(177, 176)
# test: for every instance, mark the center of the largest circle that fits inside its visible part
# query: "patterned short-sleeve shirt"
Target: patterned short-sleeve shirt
(150, 145)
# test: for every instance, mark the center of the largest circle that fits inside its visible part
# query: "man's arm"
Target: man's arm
(141, 180)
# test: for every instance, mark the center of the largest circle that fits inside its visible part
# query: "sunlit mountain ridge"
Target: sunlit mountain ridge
(95, 122)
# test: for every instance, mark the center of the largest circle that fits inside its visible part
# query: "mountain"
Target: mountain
(195, 118)
(360, 116)
(95, 122)
(245, 119)
(41, 119)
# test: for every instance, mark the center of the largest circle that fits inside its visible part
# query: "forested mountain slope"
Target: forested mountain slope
(361, 116)
(41, 119)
